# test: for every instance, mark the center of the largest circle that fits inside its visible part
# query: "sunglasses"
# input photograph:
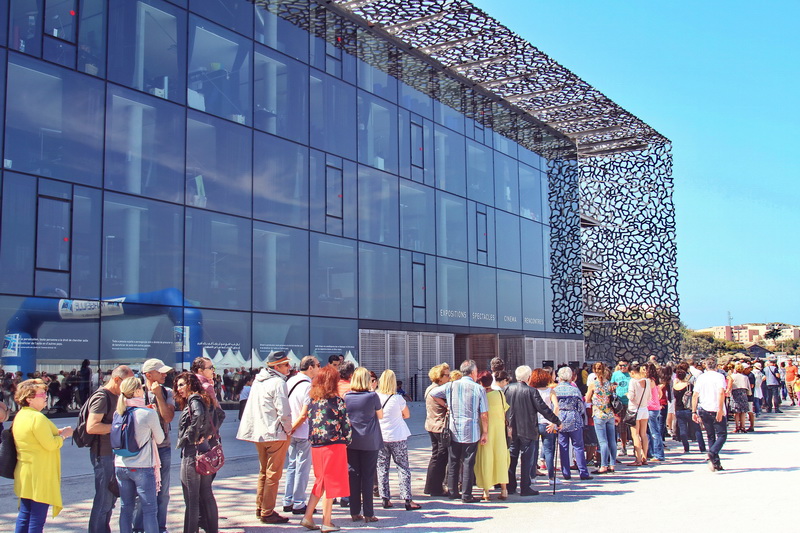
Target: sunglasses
(40, 395)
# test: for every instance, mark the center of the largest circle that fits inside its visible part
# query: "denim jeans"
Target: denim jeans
(462, 466)
(576, 437)
(717, 432)
(607, 438)
(685, 423)
(197, 495)
(773, 397)
(656, 443)
(139, 482)
(524, 448)
(548, 449)
(103, 504)
(297, 472)
(32, 516)
(757, 405)
(162, 500)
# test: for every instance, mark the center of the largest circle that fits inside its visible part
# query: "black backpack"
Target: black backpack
(80, 437)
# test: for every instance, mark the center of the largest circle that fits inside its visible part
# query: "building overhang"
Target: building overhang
(473, 47)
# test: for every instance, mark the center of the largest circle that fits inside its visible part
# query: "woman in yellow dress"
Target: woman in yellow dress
(493, 460)
(37, 477)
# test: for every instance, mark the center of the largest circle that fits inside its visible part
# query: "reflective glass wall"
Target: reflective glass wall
(198, 177)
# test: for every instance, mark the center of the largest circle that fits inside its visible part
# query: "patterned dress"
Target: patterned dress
(329, 433)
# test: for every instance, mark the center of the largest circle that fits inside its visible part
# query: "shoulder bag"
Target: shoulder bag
(8, 454)
(210, 461)
(447, 435)
(630, 416)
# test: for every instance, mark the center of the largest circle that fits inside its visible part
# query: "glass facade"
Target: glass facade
(181, 179)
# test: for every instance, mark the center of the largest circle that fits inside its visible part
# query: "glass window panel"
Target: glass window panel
(333, 192)
(330, 336)
(505, 145)
(272, 333)
(218, 260)
(377, 207)
(43, 345)
(333, 276)
(280, 181)
(450, 157)
(417, 217)
(92, 37)
(548, 304)
(234, 14)
(281, 95)
(506, 193)
(49, 283)
(417, 146)
(507, 241)
(59, 52)
(279, 33)
(545, 197)
(480, 180)
(25, 26)
(415, 101)
(226, 338)
(17, 234)
(141, 332)
(377, 81)
(140, 238)
(54, 122)
(530, 193)
(546, 251)
(451, 224)
(280, 269)
(59, 19)
(418, 284)
(449, 117)
(87, 224)
(53, 234)
(333, 123)
(531, 247)
(378, 282)
(530, 158)
(452, 298)
(219, 172)
(533, 303)
(147, 47)
(482, 296)
(482, 233)
(3, 22)
(377, 133)
(509, 300)
(145, 145)
(2, 87)
(220, 72)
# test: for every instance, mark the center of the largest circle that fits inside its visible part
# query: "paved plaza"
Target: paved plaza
(761, 473)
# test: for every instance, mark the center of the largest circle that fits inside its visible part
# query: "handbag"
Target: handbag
(447, 435)
(210, 461)
(630, 416)
(8, 454)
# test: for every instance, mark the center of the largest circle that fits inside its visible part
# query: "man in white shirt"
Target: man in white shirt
(708, 405)
(299, 467)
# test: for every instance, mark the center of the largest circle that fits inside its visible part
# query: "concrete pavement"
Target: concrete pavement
(680, 494)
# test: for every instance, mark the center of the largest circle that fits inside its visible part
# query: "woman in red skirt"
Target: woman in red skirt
(329, 434)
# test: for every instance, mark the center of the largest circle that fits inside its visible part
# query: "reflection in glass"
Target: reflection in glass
(17, 233)
(226, 339)
(25, 26)
(140, 333)
(530, 193)
(92, 37)
(451, 227)
(220, 72)
(450, 157)
(453, 299)
(218, 165)
(140, 237)
(333, 276)
(532, 247)
(377, 207)
(234, 14)
(507, 239)
(280, 181)
(54, 122)
(377, 133)
(279, 33)
(482, 296)
(281, 95)
(331, 335)
(333, 106)
(147, 47)
(272, 333)
(509, 300)
(533, 303)
(280, 269)
(53, 234)
(378, 282)
(480, 182)
(218, 260)
(87, 217)
(506, 183)
(144, 145)
(417, 212)
(59, 19)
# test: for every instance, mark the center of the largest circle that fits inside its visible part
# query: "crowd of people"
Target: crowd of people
(347, 424)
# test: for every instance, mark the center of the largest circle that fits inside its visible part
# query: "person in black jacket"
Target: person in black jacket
(194, 429)
(524, 406)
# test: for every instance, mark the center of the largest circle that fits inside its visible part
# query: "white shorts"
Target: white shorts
(642, 414)
(671, 407)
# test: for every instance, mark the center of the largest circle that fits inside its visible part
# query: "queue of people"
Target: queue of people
(347, 425)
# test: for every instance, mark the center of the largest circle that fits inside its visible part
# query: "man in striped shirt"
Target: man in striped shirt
(468, 418)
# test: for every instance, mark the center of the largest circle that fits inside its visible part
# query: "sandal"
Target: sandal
(503, 494)
(357, 517)
(370, 519)
(636, 463)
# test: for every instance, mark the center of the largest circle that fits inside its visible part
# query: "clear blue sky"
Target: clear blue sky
(721, 80)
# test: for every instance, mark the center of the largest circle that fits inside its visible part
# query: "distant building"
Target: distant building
(752, 333)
